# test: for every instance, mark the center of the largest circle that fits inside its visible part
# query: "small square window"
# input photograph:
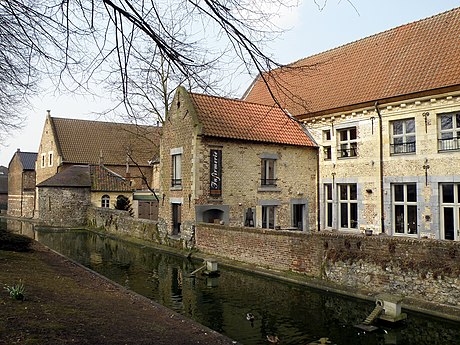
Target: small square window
(327, 153)
(327, 135)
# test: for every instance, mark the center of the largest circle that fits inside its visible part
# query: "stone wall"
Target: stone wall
(63, 206)
(119, 222)
(423, 269)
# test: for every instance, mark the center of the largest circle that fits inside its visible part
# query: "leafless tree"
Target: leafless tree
(144, 49)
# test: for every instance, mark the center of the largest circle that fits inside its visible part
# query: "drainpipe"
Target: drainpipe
(382, 218)
(318, 201)
(22, 189)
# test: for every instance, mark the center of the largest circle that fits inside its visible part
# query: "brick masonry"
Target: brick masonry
(21, 190)
(423, 269)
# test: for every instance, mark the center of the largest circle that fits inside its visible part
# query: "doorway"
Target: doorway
(176, 218)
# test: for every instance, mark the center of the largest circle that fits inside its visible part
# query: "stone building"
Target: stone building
(128, 150)
(64, 198)
(235, 163)
(3, 189)
(21, 184)
(386, 112)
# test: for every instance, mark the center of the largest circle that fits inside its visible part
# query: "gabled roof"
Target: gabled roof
(96, 177)
(27, 159)
(235, 119)
(84, 142)
(73, 176)
(103, 179)
(420, 57)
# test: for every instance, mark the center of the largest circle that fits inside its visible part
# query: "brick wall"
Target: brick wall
(45, 169)
(417, 268)
(21, 190)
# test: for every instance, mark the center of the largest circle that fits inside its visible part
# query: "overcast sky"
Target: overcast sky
(312, 31)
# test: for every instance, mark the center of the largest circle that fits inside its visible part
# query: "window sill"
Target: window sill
(268, 189)
(403, 154)
(344, 158)
(176, 188)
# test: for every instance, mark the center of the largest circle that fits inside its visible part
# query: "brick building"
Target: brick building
(63, 199)
(125, 149)
(21, 184)
(3, 189)
(236, 163)
(386, 112)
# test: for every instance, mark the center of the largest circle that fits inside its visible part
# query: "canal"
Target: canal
(294, 313)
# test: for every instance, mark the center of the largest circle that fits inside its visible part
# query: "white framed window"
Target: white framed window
(348, 206)
(43, 161)
(268, 172)
(326, 134)
(105, 201)
(402, 136)
(449, 131)
(50, 158)
(176, 180)
(347, 143)
(450, 211)
(328, 205)
(268, 216)
(404, 200)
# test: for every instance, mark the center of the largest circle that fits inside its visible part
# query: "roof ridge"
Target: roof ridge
(108, 122)
(362, 39)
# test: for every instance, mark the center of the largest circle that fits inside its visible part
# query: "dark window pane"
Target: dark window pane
(343, 135)
(353, 215)
(344, 215)
(343, 192)
(399, 192)
(457, 120)
(399, 219)
(446, 121)
(329, 215)
(328, 191)
(449, 223)
(411, 192)
(397, 127)
(447, 193)
(352, 133)
(410, 126)
(412, 219)
(398, 140)
(353, 192)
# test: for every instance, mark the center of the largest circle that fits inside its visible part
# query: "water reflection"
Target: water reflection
(297, 315)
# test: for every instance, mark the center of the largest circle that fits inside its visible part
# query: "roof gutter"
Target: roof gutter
(382, 217)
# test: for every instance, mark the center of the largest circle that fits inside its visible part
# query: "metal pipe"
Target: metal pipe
(382, 217)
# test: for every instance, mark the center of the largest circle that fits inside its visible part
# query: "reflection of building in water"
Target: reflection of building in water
(23, 228)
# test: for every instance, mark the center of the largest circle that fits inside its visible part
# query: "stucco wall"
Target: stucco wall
(424, 269)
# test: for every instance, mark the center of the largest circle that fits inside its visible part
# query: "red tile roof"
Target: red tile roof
(235, 119)
(103, 179)
(410, 59)
(83, 141)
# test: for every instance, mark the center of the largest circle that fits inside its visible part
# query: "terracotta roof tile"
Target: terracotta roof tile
(82, 141)
(235, 119)
(411, 58)
(103, 179)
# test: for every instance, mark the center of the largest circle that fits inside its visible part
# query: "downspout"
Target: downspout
(22, 189)
(318, 189)
(382, 218)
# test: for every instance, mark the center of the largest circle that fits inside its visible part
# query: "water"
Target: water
(296, 314)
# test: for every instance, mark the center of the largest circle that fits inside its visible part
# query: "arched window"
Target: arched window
(105, 201)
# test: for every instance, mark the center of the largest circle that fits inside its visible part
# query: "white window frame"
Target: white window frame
(105, 201)
(406, 204)
(328, 205)
(350, 203)
(406, 146)
(449, 138)
(268, 211)
(347, 148)
(43, 161)
(268, 172)
(50, 158)
(455, 205)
